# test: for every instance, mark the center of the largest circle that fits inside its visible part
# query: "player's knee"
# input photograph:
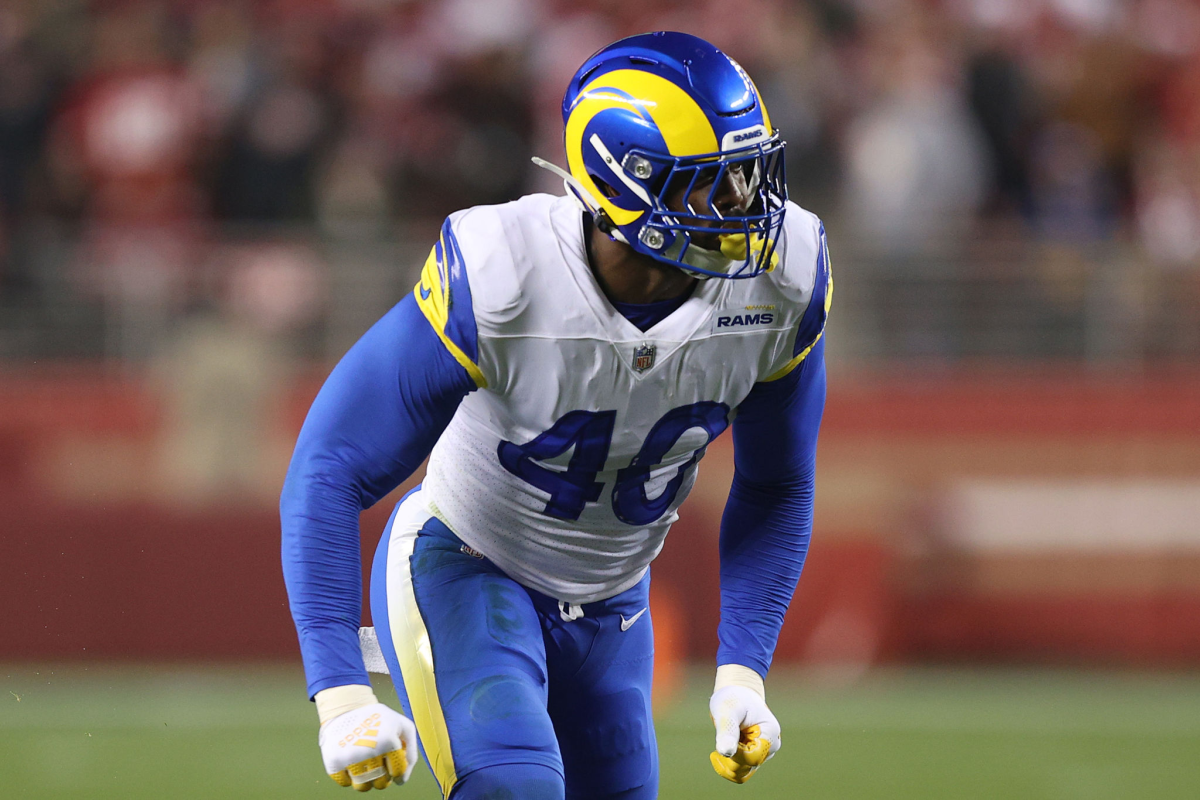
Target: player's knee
(610, 753)
(511, 782)
(507, 713)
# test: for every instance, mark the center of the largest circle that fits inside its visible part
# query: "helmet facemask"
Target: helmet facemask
(694, 225)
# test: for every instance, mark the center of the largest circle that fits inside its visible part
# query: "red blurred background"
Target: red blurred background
(912, 558)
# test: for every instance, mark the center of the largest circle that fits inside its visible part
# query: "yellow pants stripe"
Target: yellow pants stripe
(411, 639)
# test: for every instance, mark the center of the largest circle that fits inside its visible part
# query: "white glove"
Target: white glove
(364, 743)
(747, 732)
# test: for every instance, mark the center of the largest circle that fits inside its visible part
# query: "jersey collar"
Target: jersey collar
(668, 335)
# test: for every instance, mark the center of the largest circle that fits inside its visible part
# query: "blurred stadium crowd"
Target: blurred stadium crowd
(1000, 177)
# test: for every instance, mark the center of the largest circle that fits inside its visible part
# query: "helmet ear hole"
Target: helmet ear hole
(608, 190)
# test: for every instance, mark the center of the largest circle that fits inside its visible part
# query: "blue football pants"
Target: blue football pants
(513, 694)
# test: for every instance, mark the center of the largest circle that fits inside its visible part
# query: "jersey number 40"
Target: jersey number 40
(591, 433)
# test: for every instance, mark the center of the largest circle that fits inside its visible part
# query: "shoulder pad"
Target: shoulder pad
(473, 280)
(804, 277)
(444, 296)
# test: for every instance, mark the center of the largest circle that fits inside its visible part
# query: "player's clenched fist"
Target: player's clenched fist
(747, 732)
(369, 746)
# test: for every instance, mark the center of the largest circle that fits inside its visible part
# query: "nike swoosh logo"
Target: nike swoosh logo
(425, 292)
(626, 624)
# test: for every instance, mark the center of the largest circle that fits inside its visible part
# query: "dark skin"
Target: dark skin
(627, 276)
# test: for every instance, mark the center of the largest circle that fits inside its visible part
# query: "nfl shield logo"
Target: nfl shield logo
(643, 357)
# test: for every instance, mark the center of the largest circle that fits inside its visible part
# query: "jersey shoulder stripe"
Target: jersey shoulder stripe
(812, 323)
(444, 296)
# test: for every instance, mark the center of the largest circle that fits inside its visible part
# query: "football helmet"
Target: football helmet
(657, 121)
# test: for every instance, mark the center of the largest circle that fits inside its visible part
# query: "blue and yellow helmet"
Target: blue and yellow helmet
(657, 116)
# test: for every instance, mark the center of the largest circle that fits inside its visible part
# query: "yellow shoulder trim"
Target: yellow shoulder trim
(795, 362)
(433, 298)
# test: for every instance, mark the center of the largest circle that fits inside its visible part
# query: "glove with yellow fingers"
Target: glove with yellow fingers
(747, 732)
(364, 743)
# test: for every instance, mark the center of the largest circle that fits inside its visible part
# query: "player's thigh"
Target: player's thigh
(464, 646)
(600, 700)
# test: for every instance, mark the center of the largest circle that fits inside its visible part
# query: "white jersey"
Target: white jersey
(567, 466)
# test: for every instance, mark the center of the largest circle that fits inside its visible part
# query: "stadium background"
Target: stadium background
(202, 204)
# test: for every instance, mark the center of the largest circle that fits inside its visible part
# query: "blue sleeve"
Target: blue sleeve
(768, 519)
(372, 424)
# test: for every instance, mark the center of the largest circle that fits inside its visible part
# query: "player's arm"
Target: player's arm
(764, 539)
(374, 421)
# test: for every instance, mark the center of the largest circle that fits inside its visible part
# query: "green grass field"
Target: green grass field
(226, 732)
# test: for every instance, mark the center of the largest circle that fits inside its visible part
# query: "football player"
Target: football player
(564, 362)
